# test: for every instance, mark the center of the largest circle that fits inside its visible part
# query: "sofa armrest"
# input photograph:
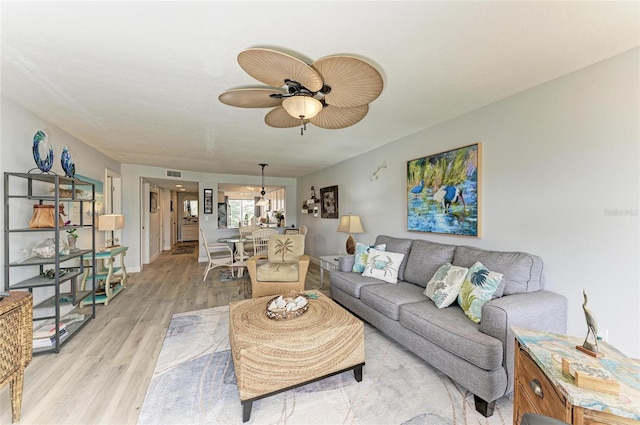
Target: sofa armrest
(345, 263)
(540, 310)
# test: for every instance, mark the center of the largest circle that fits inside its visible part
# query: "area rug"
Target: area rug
(225, 276)
(194, 383)
(184, 249)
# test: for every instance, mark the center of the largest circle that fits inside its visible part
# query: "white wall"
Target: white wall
(560, 179)
(18, 127)
(137, 221)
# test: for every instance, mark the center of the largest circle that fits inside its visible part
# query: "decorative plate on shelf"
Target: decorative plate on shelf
(282, 308)
(42, 151)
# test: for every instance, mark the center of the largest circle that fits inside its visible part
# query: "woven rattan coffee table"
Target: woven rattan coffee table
(271, 356)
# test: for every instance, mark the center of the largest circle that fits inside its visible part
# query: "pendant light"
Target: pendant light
(262, 202)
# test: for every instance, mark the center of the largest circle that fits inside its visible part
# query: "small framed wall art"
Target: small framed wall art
(153, 202)
(329, 202)
(208, 201)
(443, 192)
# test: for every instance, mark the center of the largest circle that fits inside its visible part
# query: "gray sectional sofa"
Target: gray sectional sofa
(477, 356)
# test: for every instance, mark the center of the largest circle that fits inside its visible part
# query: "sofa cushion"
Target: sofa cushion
(403, 246)
(478, 288)
(522, 272)
(383, 265)
(444, 286)
(361, 255)
(388, 297)
(425, 259)
(450, 329)
(350, 282)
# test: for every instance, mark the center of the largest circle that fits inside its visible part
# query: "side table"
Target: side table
(328, 263)
(105, 272)
(16, 344)
(541, 387)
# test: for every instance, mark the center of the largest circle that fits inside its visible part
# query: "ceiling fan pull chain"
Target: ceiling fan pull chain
(304, 126)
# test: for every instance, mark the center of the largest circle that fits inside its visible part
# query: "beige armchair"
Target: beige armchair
(284, 270)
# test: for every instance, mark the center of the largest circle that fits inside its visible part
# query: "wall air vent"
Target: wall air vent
(173, 173)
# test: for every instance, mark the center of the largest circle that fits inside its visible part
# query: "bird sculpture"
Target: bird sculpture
(415, 190)
(592, 327)
(376, 174)
(447, 195)
(67, 163)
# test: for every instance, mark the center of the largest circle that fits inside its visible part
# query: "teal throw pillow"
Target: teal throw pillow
(361, 255)
(477, 288)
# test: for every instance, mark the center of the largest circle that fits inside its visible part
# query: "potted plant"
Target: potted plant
(279, 216)
(72, 238)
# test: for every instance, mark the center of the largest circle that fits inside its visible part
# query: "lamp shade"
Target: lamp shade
(303, 107)
(262, 202)
(110, 222)
(350, 224)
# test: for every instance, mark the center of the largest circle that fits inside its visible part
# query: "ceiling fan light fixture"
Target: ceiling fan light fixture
(302, 107)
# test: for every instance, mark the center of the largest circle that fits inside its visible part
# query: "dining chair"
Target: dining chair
(246, 232)
(261, 240)
(218, 254)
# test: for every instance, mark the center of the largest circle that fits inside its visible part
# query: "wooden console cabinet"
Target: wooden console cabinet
(16, 335)
(541, 387)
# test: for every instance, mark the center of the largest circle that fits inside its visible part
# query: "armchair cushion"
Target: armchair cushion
(285, 248)
(277, 272)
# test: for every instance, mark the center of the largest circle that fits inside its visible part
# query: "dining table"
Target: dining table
(238, 243)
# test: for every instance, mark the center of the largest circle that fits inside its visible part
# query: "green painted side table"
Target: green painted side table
(107, 273)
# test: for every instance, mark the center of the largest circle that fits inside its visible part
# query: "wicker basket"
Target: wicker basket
(289, 307)
(68, 193)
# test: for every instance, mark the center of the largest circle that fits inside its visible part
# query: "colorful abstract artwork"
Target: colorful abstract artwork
(443, 192)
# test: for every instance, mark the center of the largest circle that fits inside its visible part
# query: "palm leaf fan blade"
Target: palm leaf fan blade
(279, 118)
(251, 98)
(353, 81)
(332, 117)
(272, 68)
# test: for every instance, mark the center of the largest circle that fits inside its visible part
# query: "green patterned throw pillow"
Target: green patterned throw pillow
(477, 289)
(444, 286)
(361, 255)
(383, 265)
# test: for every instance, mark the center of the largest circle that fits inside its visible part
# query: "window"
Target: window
(240, 212)
(277, 199)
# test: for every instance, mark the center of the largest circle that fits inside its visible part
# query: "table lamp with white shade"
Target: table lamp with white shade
(350, 224)
(111, 223)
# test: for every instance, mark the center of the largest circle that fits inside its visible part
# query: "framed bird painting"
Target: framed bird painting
(443, 192)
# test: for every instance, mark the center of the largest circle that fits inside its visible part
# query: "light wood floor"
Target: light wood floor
(102, 374)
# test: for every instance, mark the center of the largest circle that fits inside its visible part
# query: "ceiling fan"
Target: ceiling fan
(333, 92)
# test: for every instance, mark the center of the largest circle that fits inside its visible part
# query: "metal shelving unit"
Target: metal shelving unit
(21, 189)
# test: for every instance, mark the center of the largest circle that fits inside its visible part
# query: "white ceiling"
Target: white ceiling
(140, 80)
